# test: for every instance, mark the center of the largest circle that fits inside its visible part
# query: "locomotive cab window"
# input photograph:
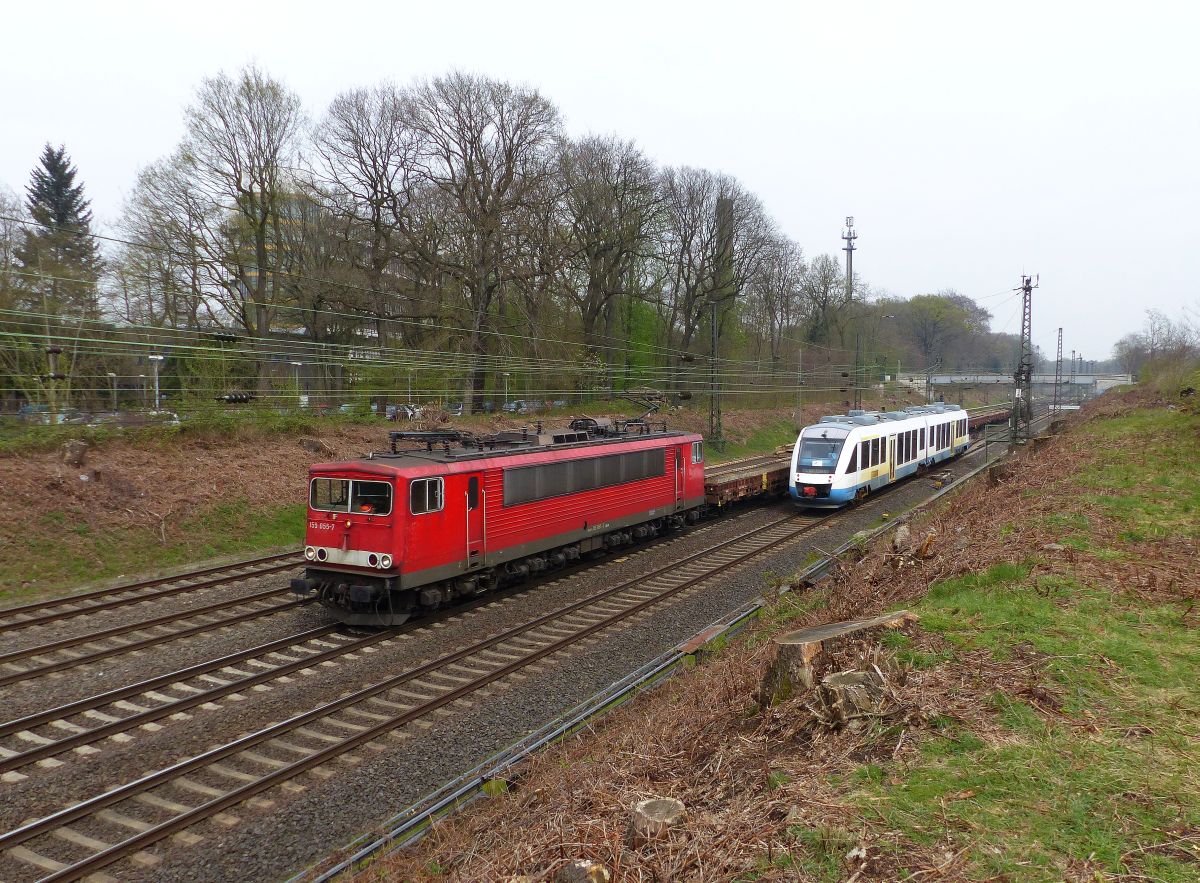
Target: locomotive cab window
(371, 497)
(697, 452)
(425, 495)
(819, 454)
(346, 495)
(329, 494)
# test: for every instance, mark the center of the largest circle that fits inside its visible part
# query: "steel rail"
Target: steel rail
(81, 810)
(87, 659)
(149, 596)
(6, 612)
(87, 704)
(153, 714)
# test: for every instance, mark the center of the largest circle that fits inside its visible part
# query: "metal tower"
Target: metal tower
(1057, 375)
(849, 235)
(1022, 412)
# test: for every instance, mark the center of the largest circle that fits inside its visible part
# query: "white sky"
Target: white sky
(971, 141)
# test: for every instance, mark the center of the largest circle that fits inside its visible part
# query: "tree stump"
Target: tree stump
(798, 654)
(653, 819)
(847, 695)
(74, 453)
(315, 445)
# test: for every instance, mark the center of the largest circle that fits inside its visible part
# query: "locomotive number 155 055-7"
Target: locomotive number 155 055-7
(320, 525)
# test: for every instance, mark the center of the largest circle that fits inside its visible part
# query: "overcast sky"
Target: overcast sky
(972, 142)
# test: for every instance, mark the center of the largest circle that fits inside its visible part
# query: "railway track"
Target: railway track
(123, 821)
(73, 652)
(46, 612)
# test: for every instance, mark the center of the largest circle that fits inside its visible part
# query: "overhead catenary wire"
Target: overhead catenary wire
(343, 285)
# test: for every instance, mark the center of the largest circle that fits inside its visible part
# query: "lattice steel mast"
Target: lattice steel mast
(1022, 412)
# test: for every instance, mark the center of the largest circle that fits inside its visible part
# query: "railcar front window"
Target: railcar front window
(329, 494)
(371, 497)
(819, 454)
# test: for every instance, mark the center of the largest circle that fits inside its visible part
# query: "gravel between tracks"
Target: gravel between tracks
(300, 828)
(24, 697)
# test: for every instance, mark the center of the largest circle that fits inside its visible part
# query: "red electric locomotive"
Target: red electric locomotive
(447, 515)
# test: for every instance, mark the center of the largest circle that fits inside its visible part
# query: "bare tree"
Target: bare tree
(484, 152)
(239, 152)
(775, 292)
(611, 206)
(365, 161)
(824, 289)
(693, 247)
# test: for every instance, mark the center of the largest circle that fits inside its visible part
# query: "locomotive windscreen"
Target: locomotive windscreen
(819, 454)
(345, 495)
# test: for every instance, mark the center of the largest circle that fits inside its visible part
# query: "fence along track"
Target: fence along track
(389, 704)
(288, 559)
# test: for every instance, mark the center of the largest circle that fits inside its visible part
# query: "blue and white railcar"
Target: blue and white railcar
(845, 457)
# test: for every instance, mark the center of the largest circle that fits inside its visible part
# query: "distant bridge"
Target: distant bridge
(1095, 383)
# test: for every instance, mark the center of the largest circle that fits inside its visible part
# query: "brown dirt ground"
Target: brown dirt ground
(701, 739)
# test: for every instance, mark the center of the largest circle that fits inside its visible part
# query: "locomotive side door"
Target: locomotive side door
(680, 476)
(476, 522)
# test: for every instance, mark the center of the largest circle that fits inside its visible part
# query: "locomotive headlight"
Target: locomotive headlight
(373, 560)
(385, 561)
(322, 554)
(310, 553)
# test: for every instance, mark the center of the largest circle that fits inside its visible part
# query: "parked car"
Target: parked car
(454, 409)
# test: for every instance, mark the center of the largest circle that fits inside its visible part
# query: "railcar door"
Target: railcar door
(892, 457)
(476, 521)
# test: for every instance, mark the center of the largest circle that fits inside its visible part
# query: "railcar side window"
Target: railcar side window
(329, 494)
(697, 452)
(425, 495)
(852, 466)
(525, 484)
(922, 436)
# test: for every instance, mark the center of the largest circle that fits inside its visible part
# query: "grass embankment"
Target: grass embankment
(40, 567)
(246, 423)
(761, 440)
(1046, 725)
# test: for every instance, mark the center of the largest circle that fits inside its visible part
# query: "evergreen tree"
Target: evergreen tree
(60, 249)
